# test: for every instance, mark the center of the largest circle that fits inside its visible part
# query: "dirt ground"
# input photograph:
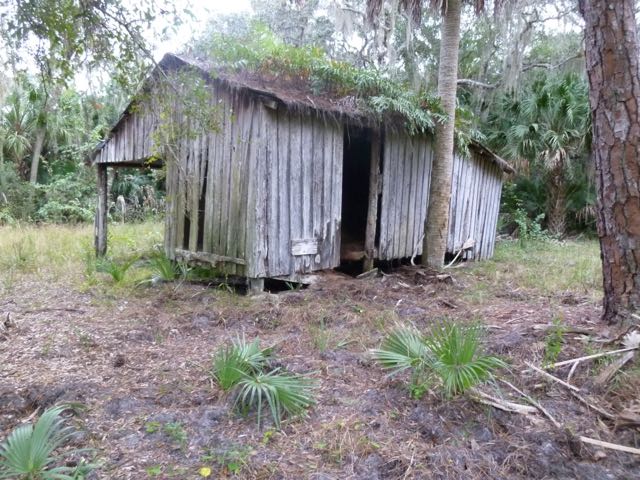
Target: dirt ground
(137, 363)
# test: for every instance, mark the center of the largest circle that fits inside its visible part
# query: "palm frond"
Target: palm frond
(283, 394)
(458, 362)
(233, 363)
(29, 450)
(402, 349)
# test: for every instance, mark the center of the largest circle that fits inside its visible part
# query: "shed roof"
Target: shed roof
(290, 92)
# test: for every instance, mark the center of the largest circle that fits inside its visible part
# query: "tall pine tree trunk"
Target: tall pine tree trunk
(614, 83)
(437, 222)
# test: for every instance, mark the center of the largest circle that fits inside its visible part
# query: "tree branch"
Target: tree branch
(551, 66)
(475, 83)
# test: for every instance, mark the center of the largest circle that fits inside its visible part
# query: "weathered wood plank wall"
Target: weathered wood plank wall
(212, 188)
(475, 200)
(475, 203)
(406, 173)
(263, 193)
(133, 140)
(301, 194)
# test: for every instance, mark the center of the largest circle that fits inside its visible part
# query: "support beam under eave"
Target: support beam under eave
(101, 212)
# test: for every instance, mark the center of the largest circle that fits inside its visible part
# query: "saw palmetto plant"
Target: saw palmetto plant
(244, 370)
(448, 354)
(29, 451)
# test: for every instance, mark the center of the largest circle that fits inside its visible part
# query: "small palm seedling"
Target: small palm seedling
(243, 369)
(117, 270)
(284, 394)
(233, 363)
(28, 452)
(164, 269)
(449, 353)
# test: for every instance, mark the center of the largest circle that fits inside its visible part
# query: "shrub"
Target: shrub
(28, 452)
(448, 354)
(243, 369)
(117, 270)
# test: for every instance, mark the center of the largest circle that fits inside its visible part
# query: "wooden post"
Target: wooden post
(255, 286)
(101, 212)
(372, 211)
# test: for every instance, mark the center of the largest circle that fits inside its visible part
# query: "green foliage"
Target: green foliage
(553, 341)
(238, 360)
(284, 394)
(528, 229)
(375, 91)
(116, 269)
(456, 359)
(29, 451)
(545, 131)
(448, 353)
(244, 369)
(164, 268)
(176, 432)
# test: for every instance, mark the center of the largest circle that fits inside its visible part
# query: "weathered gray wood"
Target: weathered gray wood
(101, 212)
(255, 286)
(307, 161)
(304, 246)
(372, 207)
(211, 258)
(285, 233)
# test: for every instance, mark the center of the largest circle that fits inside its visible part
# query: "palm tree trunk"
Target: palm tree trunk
(37, 151)
(437, 221)
(557, 206)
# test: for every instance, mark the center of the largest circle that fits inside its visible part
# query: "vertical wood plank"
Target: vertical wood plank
(100, 232)
(295, 197)
(372, 205)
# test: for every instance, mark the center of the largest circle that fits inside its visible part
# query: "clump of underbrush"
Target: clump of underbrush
(29, 452)
(245, 370)
(447, 356)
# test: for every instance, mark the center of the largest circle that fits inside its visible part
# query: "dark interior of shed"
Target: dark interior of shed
(355, 192)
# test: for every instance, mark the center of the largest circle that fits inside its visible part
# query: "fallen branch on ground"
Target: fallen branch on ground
(555, 379)
(534, 403)
(608, 373)
(588, 357)
(501, 404)
(611, 446)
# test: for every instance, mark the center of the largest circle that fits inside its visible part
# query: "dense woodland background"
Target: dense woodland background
(522, 91)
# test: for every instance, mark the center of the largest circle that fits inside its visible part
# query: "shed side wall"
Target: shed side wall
(213, 188)
(406, 173)
(475, 204)
(301, 187)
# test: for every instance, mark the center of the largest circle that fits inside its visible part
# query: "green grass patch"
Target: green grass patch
(66, 251)
(546, 268)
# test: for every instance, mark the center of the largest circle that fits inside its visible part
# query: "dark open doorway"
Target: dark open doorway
(355, 193)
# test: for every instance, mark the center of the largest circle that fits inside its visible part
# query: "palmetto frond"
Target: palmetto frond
(448, 352)
(281, 393)
(28, 452)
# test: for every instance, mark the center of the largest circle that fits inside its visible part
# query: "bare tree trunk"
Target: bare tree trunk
(614, 93)
(437, 221)
(37, 151)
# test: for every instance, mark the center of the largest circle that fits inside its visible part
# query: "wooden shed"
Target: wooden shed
(284, 182)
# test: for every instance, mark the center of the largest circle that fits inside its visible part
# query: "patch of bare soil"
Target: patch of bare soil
(138, 362)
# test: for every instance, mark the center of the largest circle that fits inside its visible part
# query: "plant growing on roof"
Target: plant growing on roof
(447, 354)
(243, 369)
(374, 92)
(28, 451)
